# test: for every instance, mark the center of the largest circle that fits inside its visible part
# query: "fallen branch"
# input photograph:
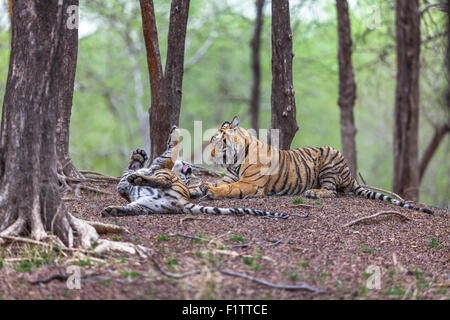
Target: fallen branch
(384, 191)
(302, 205)
(103, 228)
(376, 215)
(301, 286)
(95, 190)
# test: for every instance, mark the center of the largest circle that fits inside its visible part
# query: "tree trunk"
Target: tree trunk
(283, 94)
(67, 49)
(256, 65)
(438, 136)
(406, 114)
(173, 73)
(347, 86)
(166, 90)
(30, 202)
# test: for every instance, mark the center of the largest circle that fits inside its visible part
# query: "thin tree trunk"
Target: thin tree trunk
(68, 50)
(255, 44)
(166, 90)
(283, 94)
(406, 114)
(173, 73)
(347, 86)
(30, 202)
(438, 136)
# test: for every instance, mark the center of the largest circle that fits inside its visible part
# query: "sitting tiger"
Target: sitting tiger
(255, 168)
(163, 188)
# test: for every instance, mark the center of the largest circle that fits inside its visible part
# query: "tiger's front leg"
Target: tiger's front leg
(138, 179)
(233, 190)
(128, 210)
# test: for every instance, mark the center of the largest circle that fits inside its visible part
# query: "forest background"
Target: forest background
(111, 98)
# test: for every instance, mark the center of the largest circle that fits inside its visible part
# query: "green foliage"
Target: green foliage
(434, 243)
(162, 237)
(112, 95)
(297, 200)
(237, 238)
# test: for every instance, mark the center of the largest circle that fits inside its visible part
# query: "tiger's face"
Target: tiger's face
(183, 170)
(227, 144)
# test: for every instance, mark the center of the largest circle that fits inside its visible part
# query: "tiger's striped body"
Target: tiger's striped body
(163, 190)
(255, 168)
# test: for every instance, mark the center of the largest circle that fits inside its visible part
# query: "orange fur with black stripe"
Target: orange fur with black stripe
(255, 168)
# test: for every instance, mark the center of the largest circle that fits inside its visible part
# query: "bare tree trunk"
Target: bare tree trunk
(255, 44)
(283, 94)
(347, 86)
(438, 136)
(406, 114)
(30, 202)
(166, 89)
(67, 50)
(174, 70)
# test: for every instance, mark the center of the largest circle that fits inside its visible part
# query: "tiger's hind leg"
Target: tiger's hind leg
(327, 187)
(128, 210)
(137, 160)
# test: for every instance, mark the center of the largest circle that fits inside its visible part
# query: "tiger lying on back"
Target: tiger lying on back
(255, 168)
(163, 188)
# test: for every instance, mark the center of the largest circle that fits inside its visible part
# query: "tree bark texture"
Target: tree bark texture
(255, 45)
(347, 86)
(30, 202)
(406, 114)
(166, 89)
(283, 94)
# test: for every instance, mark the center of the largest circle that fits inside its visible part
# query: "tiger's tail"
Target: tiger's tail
(198, 209)
(361, 191)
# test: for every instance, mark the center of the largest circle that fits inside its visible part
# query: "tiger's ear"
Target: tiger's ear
(235, 122)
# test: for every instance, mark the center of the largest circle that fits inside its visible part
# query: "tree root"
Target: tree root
(376, 215)
(383, 191)
(103, 228)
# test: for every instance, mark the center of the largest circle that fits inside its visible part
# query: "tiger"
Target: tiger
(254, 168)
(163, 188)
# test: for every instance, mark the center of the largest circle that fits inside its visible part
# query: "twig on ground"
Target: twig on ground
(95, 189)
(376, 215)
(384, 191)
(298, 215)
(303, 205)
(301, 286)
(362, 179)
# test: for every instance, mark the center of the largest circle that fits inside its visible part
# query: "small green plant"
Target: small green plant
(172, 262)
(297, 200)
(317, 203)
(130, 274)
(198, 254)
(434, 243)
(236, 238)
(1, 264)
(83, 262)
(294, 277)
(366, 249)
(303, 264)
(23, 266)
(162, 237)
(248, 261)
(115, 238)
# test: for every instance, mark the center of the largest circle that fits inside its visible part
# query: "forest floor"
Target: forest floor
(412, 256)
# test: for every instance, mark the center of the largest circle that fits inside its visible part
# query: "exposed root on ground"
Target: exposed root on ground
(86, 180)
(395, 213)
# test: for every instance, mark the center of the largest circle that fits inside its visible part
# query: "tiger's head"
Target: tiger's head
(228, 145)
(183, 170)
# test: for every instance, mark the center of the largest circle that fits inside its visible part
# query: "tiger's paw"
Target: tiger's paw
(137, 159)
(136, 179)
(208, 190)
(319, 193)
(110, 211)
